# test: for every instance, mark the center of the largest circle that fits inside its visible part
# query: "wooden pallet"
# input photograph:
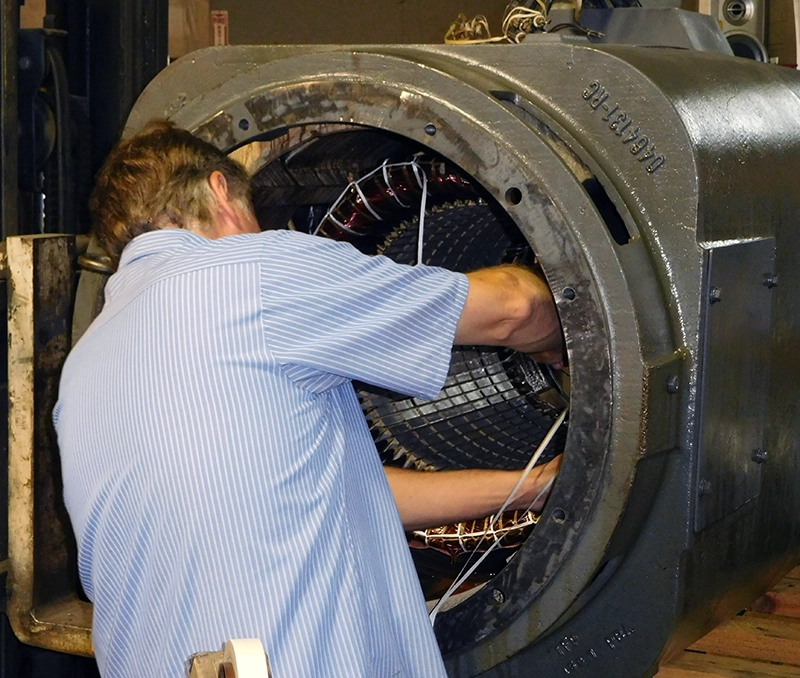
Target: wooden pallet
(764, 642)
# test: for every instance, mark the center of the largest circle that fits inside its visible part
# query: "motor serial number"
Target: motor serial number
(622, 125)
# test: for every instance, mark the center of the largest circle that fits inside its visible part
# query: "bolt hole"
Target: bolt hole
(244, 124)
(559, 515)
(569, 294)
(513, 196)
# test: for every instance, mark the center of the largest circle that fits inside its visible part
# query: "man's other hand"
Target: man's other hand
(430, 499)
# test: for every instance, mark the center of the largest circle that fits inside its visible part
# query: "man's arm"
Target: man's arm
(427, 499)
(506, 306)
(511, 306)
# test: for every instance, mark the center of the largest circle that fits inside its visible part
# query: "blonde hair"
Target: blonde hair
(157, 178)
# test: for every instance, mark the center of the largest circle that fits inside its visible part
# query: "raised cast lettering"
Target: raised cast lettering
(641, 146)
(591, 90)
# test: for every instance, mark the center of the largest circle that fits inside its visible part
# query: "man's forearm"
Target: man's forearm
(427, 499)
(511, 306)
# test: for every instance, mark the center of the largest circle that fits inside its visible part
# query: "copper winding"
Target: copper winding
(512, 527)
(391, 190)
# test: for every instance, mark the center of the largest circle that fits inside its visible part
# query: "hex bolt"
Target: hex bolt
(569, 293)
(673, 384)
(705, 487)
(244, 124)
(430, 129)
(771, 280)
(715, 295)
(759, 455)
(498, 596)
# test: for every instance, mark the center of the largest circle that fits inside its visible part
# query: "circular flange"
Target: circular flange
(554, 213)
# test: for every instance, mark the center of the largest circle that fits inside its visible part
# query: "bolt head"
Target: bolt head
(673, 384)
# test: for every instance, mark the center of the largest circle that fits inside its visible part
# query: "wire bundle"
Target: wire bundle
(517, 23)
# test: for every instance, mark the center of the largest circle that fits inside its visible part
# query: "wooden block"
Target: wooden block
(780, 31)
(702, 665)
(189, 26)
(31, 14)
(756, 636)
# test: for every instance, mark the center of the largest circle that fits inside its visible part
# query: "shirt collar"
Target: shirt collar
(155, 242)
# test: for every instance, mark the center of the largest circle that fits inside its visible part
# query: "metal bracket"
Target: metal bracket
(737, 317)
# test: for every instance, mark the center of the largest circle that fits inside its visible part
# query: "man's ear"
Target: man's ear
(219, 186)
(231, 216)
(226, 217)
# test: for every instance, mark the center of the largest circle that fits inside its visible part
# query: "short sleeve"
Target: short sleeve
(331, 314)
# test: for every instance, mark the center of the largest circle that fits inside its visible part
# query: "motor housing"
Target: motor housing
(658, 190)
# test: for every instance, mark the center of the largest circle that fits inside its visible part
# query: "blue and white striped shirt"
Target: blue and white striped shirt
(218, 471)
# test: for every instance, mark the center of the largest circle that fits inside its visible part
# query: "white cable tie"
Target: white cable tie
(339, 201)
(383, 167)
(388, 182)
(418, 173)
(329, 213)
(338, 223)
(365, 176)
(456, 584)
(365, 201)
(422, 205)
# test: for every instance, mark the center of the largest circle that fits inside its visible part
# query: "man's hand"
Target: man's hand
(536, 482)
(426, 499)
(511, 306)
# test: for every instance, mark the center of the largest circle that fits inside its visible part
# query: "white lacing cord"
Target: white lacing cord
(423, 184)
(468, 569)
(422, 181)
(353, 184)
(388, 182)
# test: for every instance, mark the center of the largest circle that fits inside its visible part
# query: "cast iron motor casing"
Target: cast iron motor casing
(679, 498)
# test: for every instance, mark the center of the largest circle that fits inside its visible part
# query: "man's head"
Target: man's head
(165, 177)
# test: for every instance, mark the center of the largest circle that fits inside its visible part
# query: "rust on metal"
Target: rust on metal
(44, 605)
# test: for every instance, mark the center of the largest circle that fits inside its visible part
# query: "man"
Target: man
(219, 474)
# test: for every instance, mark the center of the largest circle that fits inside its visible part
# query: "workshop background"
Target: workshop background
(762, 640)
(395, 21)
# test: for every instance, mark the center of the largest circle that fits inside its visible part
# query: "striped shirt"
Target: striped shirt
(219, 474)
